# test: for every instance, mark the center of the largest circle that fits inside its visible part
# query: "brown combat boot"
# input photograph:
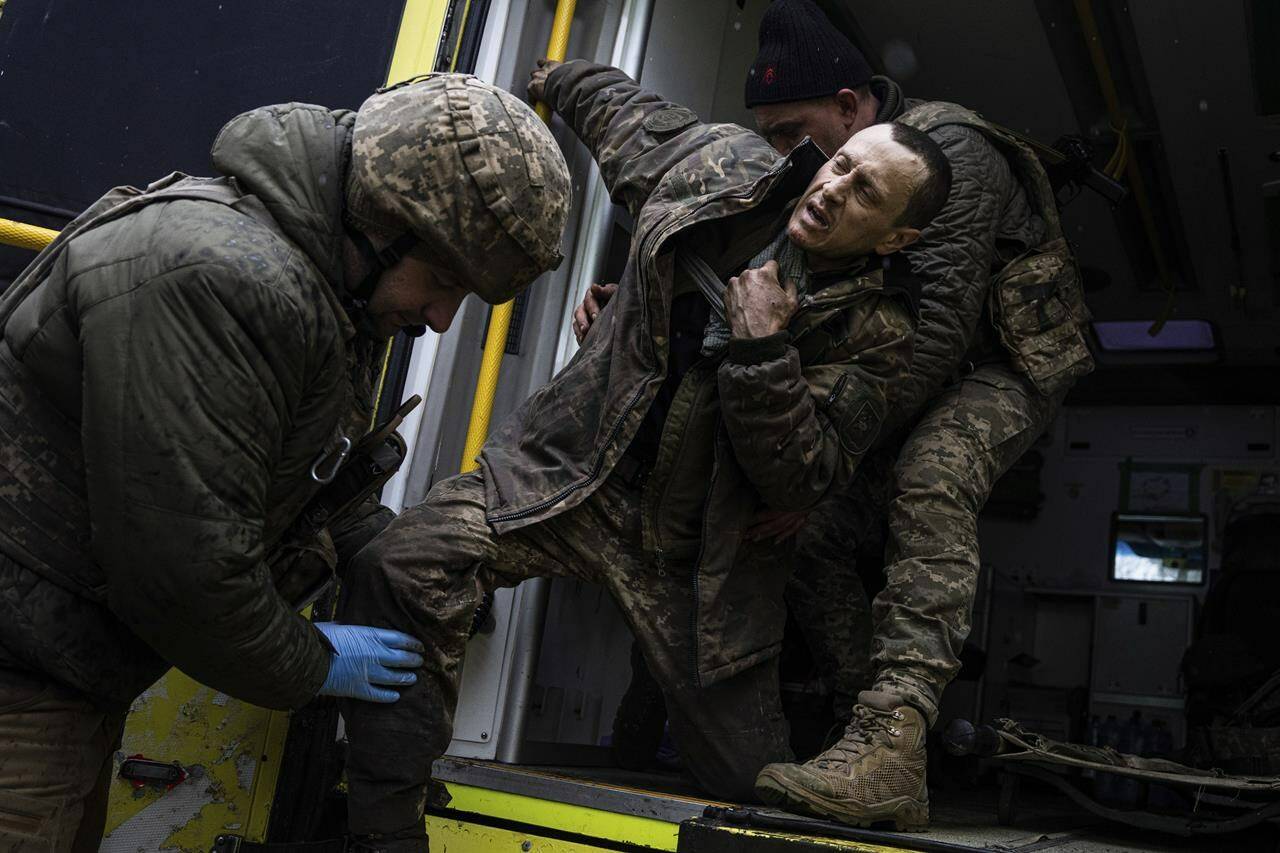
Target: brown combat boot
(874, 773)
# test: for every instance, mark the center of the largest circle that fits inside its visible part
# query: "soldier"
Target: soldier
(999, 344)
(690, 405)
(180, 373)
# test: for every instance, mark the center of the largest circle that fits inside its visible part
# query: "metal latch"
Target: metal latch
(141, 771)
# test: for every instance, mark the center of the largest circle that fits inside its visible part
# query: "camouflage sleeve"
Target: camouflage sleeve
(634, 135)
(800, 432)
(953, 260)
(188, 385)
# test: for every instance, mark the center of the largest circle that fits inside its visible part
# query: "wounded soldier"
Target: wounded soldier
(746, 362)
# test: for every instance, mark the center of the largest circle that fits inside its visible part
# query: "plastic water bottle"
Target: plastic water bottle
(1104, 784)
(1132, 742)
(1161, 746)
(1162, 740)
(1092, 734)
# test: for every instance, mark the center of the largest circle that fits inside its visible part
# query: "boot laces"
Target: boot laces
(867, 728)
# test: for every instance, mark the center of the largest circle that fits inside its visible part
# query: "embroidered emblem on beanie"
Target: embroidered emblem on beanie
(819, 60)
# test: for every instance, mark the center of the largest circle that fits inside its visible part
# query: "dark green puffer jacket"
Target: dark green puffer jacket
(170, 369)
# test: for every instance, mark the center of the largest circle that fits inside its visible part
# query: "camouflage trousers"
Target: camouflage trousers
(56, 752)
(917, 625)
(843, 537)
(424, 575)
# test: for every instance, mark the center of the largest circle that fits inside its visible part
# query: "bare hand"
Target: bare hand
(598, 296)
(538, 79)
(756, 306)
(776, 523)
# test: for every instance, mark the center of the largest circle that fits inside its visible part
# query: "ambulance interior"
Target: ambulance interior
(1141, 526)
(1107, 544)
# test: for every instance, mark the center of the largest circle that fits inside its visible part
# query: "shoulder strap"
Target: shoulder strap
(1018, 150)
(119, 202)
(902, 281)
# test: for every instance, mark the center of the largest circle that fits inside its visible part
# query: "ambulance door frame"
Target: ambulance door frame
(517, 614)
(598, 215)
(422, 360)
(630, 44)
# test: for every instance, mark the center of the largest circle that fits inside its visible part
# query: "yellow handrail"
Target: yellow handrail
(500, 320)
(25, 236)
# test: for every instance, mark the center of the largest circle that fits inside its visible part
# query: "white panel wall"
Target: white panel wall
(1067, 546)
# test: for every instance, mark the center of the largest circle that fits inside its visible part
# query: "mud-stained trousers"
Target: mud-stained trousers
(56, 752)
(968, 437)
(842, 536)
(425, 574)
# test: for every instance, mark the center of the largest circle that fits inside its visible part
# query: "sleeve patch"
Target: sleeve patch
(669, 120)
(859, 427)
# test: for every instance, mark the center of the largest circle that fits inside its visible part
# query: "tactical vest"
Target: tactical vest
(1036, 300)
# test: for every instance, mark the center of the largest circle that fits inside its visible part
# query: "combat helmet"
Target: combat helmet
(467, 169)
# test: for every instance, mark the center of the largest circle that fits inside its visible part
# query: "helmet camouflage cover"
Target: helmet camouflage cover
(470, 170)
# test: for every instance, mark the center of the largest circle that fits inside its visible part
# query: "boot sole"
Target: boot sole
(907, 814)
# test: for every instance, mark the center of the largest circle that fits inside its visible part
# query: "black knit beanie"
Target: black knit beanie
(802, 56)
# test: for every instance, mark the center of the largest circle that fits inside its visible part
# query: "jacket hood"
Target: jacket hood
(294, 158)
(889, 93)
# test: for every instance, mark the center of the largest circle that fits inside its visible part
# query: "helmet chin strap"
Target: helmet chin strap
(378, 261)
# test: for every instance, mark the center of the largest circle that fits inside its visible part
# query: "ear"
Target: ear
(899, 238)
(847, 102)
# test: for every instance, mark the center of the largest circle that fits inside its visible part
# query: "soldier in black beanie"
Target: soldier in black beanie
(808, 80)
(982, 387)
(968, 412)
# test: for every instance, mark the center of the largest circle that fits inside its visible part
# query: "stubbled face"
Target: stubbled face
(850, 207)
(416, 291)
(824, 120)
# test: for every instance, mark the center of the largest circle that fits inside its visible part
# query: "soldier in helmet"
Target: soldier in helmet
(747, 360)
(183, 370)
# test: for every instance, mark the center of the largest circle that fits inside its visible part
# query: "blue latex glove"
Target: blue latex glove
(367, 661)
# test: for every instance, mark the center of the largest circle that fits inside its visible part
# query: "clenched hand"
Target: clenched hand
(538, 79)
(756, 305)
(598, 296)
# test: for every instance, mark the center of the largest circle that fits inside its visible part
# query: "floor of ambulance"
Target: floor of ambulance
(965, 816)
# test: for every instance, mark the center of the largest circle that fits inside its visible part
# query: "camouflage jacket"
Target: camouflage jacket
(775, 422)
(986, 222)
(1034, 300)
(170, 369)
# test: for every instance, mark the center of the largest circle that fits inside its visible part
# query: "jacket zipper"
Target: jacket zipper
(659, 555)
(697, 566)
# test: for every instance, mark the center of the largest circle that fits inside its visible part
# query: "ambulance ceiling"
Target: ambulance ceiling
(1203, 111)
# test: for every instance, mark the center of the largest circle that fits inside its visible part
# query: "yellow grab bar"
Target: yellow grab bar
(25, 236)
(500, 320)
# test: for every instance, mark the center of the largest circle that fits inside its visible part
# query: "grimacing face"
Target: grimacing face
(416, 291)
(851, 206)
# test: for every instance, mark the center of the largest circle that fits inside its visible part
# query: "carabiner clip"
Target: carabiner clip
(344, 448)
